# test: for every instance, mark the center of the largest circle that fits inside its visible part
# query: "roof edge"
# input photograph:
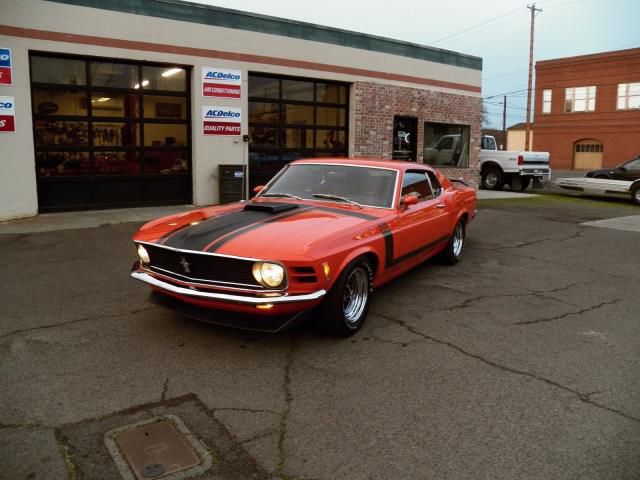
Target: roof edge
(228, 18)
(590, 57)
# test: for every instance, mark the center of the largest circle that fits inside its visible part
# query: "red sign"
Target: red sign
(5, 66)
(7, 115)
(219, 128)
(220, 90)
(5, 75)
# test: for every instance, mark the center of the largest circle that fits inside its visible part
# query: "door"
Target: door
(405, 138)
(423, 226)
(588, 155)
(630, 171)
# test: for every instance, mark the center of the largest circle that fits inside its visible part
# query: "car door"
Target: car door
(423, 226)
(632, 170)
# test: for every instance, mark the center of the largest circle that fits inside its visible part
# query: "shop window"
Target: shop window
(331, 139)
(59, 102)
(164, 78)
(264, 87)
(405, 133)
(330, 116)
(297, 138)
(116, 134)
(446, 145)
(263, 137)
(165, 162)
(116, 163)
(56, 164)
(298, 114)
(164, 107)
(331, 93)
(118, 75)
(106, 104)
(264, 112)
(165, 135)
(61, 71)
(61, 133)
(297, 90)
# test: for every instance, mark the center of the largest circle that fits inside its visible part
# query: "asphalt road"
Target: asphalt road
(521, 362)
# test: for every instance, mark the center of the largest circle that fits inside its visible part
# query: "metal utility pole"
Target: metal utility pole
(504, 122)
(528, 119)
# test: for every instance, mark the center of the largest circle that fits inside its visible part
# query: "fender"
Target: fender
(363, 250)
(490, 163)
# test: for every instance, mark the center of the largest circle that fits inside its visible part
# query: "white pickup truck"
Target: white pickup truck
(497, 167)
(518, 169)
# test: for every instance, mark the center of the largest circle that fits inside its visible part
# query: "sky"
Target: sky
(496, 30)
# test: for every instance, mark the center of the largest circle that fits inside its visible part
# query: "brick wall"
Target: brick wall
(375, 105)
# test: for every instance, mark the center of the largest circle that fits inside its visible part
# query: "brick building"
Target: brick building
(587, 109)
(138, 103)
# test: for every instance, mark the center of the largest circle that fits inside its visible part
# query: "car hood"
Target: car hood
(269, 231)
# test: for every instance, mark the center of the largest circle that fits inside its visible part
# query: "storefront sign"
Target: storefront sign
(5, 66)
(7, 115)
(221, 82)
(221, 120)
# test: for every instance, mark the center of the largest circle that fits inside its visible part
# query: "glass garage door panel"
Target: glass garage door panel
(110, 133)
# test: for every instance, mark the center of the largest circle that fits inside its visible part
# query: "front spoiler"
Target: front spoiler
(225, 297)
(242, 321)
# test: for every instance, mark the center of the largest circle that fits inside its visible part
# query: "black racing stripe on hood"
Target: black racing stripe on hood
(196, 237)
(254, 226)
(348, 213)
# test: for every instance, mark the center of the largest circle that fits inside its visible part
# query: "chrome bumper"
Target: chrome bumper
(224, 297)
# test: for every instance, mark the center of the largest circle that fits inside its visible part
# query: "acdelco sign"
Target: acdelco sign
(5, 66)
(221, 82)
(221, 120)
(7, 115)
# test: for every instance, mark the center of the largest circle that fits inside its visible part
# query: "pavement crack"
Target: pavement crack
(259, 436)
(29, 426)
(288, 398)
(244, 410)
(568, 314)
(586, 398)
(165, 387)
(77, 320)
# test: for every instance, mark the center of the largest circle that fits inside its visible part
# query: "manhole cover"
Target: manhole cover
(155, 448)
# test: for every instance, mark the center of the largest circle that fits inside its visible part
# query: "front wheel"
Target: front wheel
(453, 253)
(492, 178)
(344, 309)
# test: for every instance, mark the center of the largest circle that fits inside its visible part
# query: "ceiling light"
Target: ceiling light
(145, 83)
(104, 99)
(171, 71)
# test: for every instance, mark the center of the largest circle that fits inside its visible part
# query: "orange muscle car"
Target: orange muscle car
(321, 235)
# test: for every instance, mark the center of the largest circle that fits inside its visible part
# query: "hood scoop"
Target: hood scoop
(270, 207)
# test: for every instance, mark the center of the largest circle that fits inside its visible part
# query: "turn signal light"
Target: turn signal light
(264, 306)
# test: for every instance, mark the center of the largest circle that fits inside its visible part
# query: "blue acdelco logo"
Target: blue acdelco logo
(5, 57)
(221, 114)
(223, 76)
(6, 105)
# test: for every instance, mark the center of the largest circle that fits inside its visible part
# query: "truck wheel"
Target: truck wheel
(635, 194)
(344, 309)
(524, 183)
(492, 178)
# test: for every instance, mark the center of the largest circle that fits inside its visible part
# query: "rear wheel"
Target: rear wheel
(635, 194)
(492, 178)
(344, 309)
(524, 183)
(453, 253)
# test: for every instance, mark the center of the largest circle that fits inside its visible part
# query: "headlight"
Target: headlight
(268, 274)
(143, 254)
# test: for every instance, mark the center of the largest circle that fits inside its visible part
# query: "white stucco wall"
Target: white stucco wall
(18, 197)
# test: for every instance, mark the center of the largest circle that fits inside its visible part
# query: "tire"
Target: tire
(524, 183)
(453, 253)
(492, 178)
(342, 317)
(635, 194)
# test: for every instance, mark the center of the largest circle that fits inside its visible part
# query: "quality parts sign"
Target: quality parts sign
(221, 120)
(221, 82)
(7, 115)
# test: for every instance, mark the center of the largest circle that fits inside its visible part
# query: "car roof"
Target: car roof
(400, 165)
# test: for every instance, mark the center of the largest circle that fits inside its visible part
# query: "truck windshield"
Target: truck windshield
(367, 186)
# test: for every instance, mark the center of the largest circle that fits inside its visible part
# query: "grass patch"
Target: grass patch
(550, 199)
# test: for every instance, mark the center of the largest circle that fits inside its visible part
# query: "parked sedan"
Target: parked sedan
(629, 171)
(320, 236)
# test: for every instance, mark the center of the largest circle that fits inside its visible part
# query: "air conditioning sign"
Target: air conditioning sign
(221, 121)
(5, 66)
(7, 115)
(221, 82)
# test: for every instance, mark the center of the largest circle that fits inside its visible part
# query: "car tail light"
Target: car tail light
(520, 159)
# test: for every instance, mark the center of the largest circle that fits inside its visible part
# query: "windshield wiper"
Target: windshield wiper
(329, 196)
(280, 194)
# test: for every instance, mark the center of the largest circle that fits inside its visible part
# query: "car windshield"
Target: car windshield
(367, 186)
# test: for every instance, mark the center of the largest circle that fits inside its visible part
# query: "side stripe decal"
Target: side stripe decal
(388, 247)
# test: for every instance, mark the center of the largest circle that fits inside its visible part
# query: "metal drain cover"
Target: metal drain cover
(156, 448)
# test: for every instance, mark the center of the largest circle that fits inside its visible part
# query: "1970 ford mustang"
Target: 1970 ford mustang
(319, 236)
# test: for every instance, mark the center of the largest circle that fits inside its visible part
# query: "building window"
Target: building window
(291, 118)
(580, 99)
(121, 129)
(446, 145)
(628, 96)
(589, 148)
(546, 101)
(405, 138)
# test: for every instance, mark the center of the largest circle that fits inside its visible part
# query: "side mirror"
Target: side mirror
(258, 189)
(409, 200)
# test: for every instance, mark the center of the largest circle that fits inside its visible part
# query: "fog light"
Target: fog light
(143, 254)
(268, 274)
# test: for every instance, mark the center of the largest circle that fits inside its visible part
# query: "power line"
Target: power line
(517, 17)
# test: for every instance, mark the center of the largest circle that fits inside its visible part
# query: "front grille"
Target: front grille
(217, 270)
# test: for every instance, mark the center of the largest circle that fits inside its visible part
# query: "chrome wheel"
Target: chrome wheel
(491, 179)
(356, 293)
(637, 196)
(458, 239)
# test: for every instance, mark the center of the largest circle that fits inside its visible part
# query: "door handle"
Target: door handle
(440, 205)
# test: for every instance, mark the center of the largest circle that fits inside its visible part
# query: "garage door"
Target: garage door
(588, 155)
